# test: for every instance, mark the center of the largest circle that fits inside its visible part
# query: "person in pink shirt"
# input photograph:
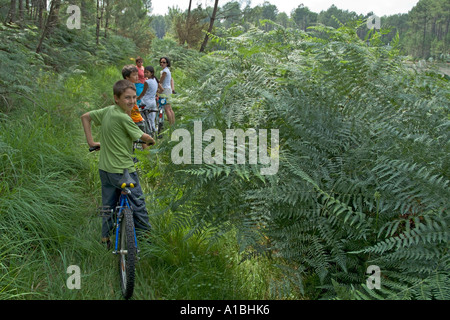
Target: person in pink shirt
(140, 66)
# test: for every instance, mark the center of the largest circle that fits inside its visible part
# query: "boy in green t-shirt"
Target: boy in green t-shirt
(118, 131)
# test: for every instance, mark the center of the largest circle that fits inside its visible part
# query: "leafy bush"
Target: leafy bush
(364, 162)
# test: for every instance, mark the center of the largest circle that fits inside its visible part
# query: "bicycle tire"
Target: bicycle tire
(146, 121)
(160, 122)
(127, 254)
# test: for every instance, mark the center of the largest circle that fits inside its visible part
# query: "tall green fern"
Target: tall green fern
(364, 162)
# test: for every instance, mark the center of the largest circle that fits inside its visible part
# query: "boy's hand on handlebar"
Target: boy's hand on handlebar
(94, 146)
(151, 142)
(148, 139)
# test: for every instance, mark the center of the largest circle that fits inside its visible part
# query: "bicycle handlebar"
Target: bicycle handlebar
(98, 147)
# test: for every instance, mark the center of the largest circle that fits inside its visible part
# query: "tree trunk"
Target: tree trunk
(102, 20)
(52, 20)
(211, 24)
(107, 13)
(424, 37)
(98, 22)
(187, 20)
(189, 11)
(42, 6)
(12, 12)
(21, 12)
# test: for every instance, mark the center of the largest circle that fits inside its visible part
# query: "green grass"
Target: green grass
(198, 268)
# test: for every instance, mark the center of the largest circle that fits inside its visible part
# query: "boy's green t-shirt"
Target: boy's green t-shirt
(118, 131)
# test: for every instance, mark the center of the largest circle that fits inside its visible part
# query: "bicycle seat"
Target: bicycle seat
(126, 180)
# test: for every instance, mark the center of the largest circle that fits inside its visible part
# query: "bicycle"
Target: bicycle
(159, 125)
(144, 114)
(125, 244)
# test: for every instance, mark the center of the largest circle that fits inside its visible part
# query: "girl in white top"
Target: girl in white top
(148, 94)
(165, 79)
(151, 86)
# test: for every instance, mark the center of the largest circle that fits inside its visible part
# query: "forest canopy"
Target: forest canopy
(423, 32)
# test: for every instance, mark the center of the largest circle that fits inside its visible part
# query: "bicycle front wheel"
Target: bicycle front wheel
(127, 253)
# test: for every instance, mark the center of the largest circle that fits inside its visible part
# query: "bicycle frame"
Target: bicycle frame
(145, 114)
(123, 203)
(159, 122)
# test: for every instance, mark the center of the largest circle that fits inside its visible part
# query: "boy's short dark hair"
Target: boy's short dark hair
(122, 85)
(128, 70)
